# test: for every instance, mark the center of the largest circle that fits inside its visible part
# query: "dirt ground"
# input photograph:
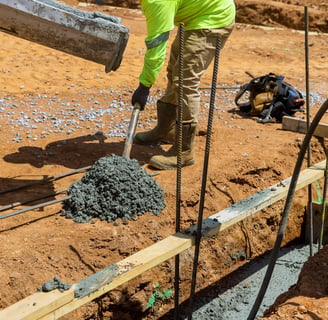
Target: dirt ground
(53, 120)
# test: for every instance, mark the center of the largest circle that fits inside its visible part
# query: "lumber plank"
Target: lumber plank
(126, 270)
(35, 306)
(111, 277)
(300, 125)
(258, 201)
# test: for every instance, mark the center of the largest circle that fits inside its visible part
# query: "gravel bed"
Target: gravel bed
(37, 116)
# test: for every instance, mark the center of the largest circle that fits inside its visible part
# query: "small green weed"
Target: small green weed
(158, 295)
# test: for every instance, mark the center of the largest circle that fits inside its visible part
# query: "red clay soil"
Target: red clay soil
(245, 158)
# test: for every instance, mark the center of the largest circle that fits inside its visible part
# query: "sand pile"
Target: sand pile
(115, 187)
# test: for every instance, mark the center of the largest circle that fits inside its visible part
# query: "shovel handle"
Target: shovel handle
(131, 131)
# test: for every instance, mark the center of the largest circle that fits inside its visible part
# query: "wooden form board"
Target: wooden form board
(300, 125)
(37, 305)
(53, 305)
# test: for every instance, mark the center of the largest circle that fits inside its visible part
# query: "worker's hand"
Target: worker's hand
(140, 96)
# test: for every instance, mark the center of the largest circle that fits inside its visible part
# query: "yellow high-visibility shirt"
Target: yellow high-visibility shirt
(163, 15)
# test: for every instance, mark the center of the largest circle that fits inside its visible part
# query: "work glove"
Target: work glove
(140, 96)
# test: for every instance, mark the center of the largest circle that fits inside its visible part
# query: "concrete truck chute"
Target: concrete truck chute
(89, 35)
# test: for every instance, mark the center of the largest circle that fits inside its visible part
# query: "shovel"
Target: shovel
(131, 131)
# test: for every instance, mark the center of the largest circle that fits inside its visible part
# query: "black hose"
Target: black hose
(284, 220)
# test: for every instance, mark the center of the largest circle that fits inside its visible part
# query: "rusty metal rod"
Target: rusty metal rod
(309, 159)
(40, 205)
(198, 236)
(210, 88)
(51, 178)
(323, 207)
(16, 204)
(179, 170)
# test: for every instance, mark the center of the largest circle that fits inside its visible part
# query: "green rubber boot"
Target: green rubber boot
(164, 131)
(169, 160)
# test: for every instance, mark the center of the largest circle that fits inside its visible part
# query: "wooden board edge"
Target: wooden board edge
(300, 125)
(36, 305)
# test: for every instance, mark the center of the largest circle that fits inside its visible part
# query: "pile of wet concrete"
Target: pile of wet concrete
(114, 188)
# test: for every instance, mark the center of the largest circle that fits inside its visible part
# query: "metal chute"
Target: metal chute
(93, 36)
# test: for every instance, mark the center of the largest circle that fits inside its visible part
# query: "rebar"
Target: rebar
(204, 178)
(307, 99)
(16, 204)
(16, 212)
(47, 179)
(221, 88)
(323, 205)
(179, 170)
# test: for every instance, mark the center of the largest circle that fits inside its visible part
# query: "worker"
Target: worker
(204, 22)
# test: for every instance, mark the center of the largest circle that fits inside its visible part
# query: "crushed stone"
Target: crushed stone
(24, 116)
(114, 188)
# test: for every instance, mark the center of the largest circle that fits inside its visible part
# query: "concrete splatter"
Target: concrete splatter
(54, 284)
